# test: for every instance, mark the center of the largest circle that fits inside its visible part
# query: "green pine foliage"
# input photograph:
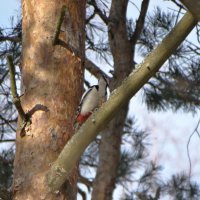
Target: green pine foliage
(177, 85)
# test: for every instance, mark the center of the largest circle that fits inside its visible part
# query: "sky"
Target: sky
(7, 9)
(169, 131)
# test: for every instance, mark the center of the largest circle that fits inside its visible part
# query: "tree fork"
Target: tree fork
(67, 159)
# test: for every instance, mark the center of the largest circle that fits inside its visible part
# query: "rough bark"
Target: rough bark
(52, 85)
(119, 97)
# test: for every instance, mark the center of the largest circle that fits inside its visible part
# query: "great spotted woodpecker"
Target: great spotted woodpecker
(92, 99)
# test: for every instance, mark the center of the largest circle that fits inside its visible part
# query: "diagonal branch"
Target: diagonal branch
(93, 69)
(8, 123)
(15, 96)
(73, 150)
(90, 18)
(11, 39)
(7, 140)
(3, 77)
(178, 4)
(140, 22)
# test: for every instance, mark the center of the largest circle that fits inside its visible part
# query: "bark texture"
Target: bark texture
(109, 151)
(52, 85)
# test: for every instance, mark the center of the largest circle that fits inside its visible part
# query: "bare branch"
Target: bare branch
(11, 39)
(90, 18)
(178, 4)
(3, 77)
(140, 22)
(7, 140)
(188, 143)
(7, 122)
(93, 69)
(98, 11)
(89, 130)
(16, 99)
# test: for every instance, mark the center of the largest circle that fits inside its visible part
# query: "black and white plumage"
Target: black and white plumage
(92, 99)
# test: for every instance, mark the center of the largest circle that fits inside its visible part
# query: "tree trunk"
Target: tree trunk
(109, 152)
(52, 78)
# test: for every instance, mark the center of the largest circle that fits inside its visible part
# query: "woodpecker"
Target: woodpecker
(92, 99)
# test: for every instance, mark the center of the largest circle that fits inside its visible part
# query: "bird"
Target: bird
(92, 99)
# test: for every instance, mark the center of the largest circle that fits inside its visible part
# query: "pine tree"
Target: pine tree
(120, 154)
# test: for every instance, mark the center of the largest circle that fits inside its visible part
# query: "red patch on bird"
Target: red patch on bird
(82, 118)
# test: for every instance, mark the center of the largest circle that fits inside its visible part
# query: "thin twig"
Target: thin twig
(7, 122)
(58, 26)
(11, 39)
(178, 14)
(178, 4)
(90, 18)
(188, 143)
(3, 77)
(7, 140)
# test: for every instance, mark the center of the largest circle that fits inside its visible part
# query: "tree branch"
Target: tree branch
(3, 77)
(90, 18)
(7, 140)
(16, 99)
(75, 147)
(140, 22)
(8, 123)
(58, 26)
(98, 11)
(15, 96)
(93, 69)
(193, 7)
(11, 39)
(178, 4)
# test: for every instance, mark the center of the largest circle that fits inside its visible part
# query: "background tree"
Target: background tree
(176, 86)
